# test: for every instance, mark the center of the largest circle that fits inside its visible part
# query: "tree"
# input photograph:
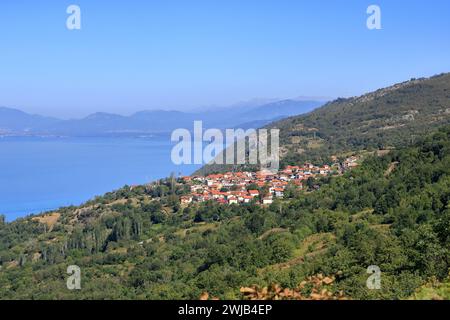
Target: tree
(255, 223)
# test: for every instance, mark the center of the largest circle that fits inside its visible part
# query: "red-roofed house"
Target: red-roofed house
(279, 192)
(186, 199)
(232, 200)
(253, 193)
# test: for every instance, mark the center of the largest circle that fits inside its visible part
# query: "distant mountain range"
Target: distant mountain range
(16, 122)
(13, 120)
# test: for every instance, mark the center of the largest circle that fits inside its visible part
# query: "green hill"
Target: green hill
(140, 243)
(392, 117)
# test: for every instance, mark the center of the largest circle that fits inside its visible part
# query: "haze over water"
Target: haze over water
(41, 174)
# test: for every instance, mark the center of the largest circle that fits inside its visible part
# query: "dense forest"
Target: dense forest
(393, 212)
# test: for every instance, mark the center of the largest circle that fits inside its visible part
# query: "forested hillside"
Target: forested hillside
(391, 117)
(392, 211)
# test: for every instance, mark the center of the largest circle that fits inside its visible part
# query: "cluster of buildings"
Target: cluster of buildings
(245, 187)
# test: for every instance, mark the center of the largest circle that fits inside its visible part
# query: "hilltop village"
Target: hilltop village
(262, 187)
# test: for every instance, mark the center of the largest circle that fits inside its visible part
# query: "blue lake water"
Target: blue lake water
(41, 174)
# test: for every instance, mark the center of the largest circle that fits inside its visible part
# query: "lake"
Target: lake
(40, 174)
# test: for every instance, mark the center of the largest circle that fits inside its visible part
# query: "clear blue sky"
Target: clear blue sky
(132, 55)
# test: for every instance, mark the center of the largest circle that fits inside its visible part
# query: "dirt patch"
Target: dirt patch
(296, 140)
(270, 232)
(391, 168)
(49, 219)
(381, 153)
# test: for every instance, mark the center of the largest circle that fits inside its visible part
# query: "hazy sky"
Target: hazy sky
(133, 55)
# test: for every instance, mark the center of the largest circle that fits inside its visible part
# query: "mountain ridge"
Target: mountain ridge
(14, 121)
